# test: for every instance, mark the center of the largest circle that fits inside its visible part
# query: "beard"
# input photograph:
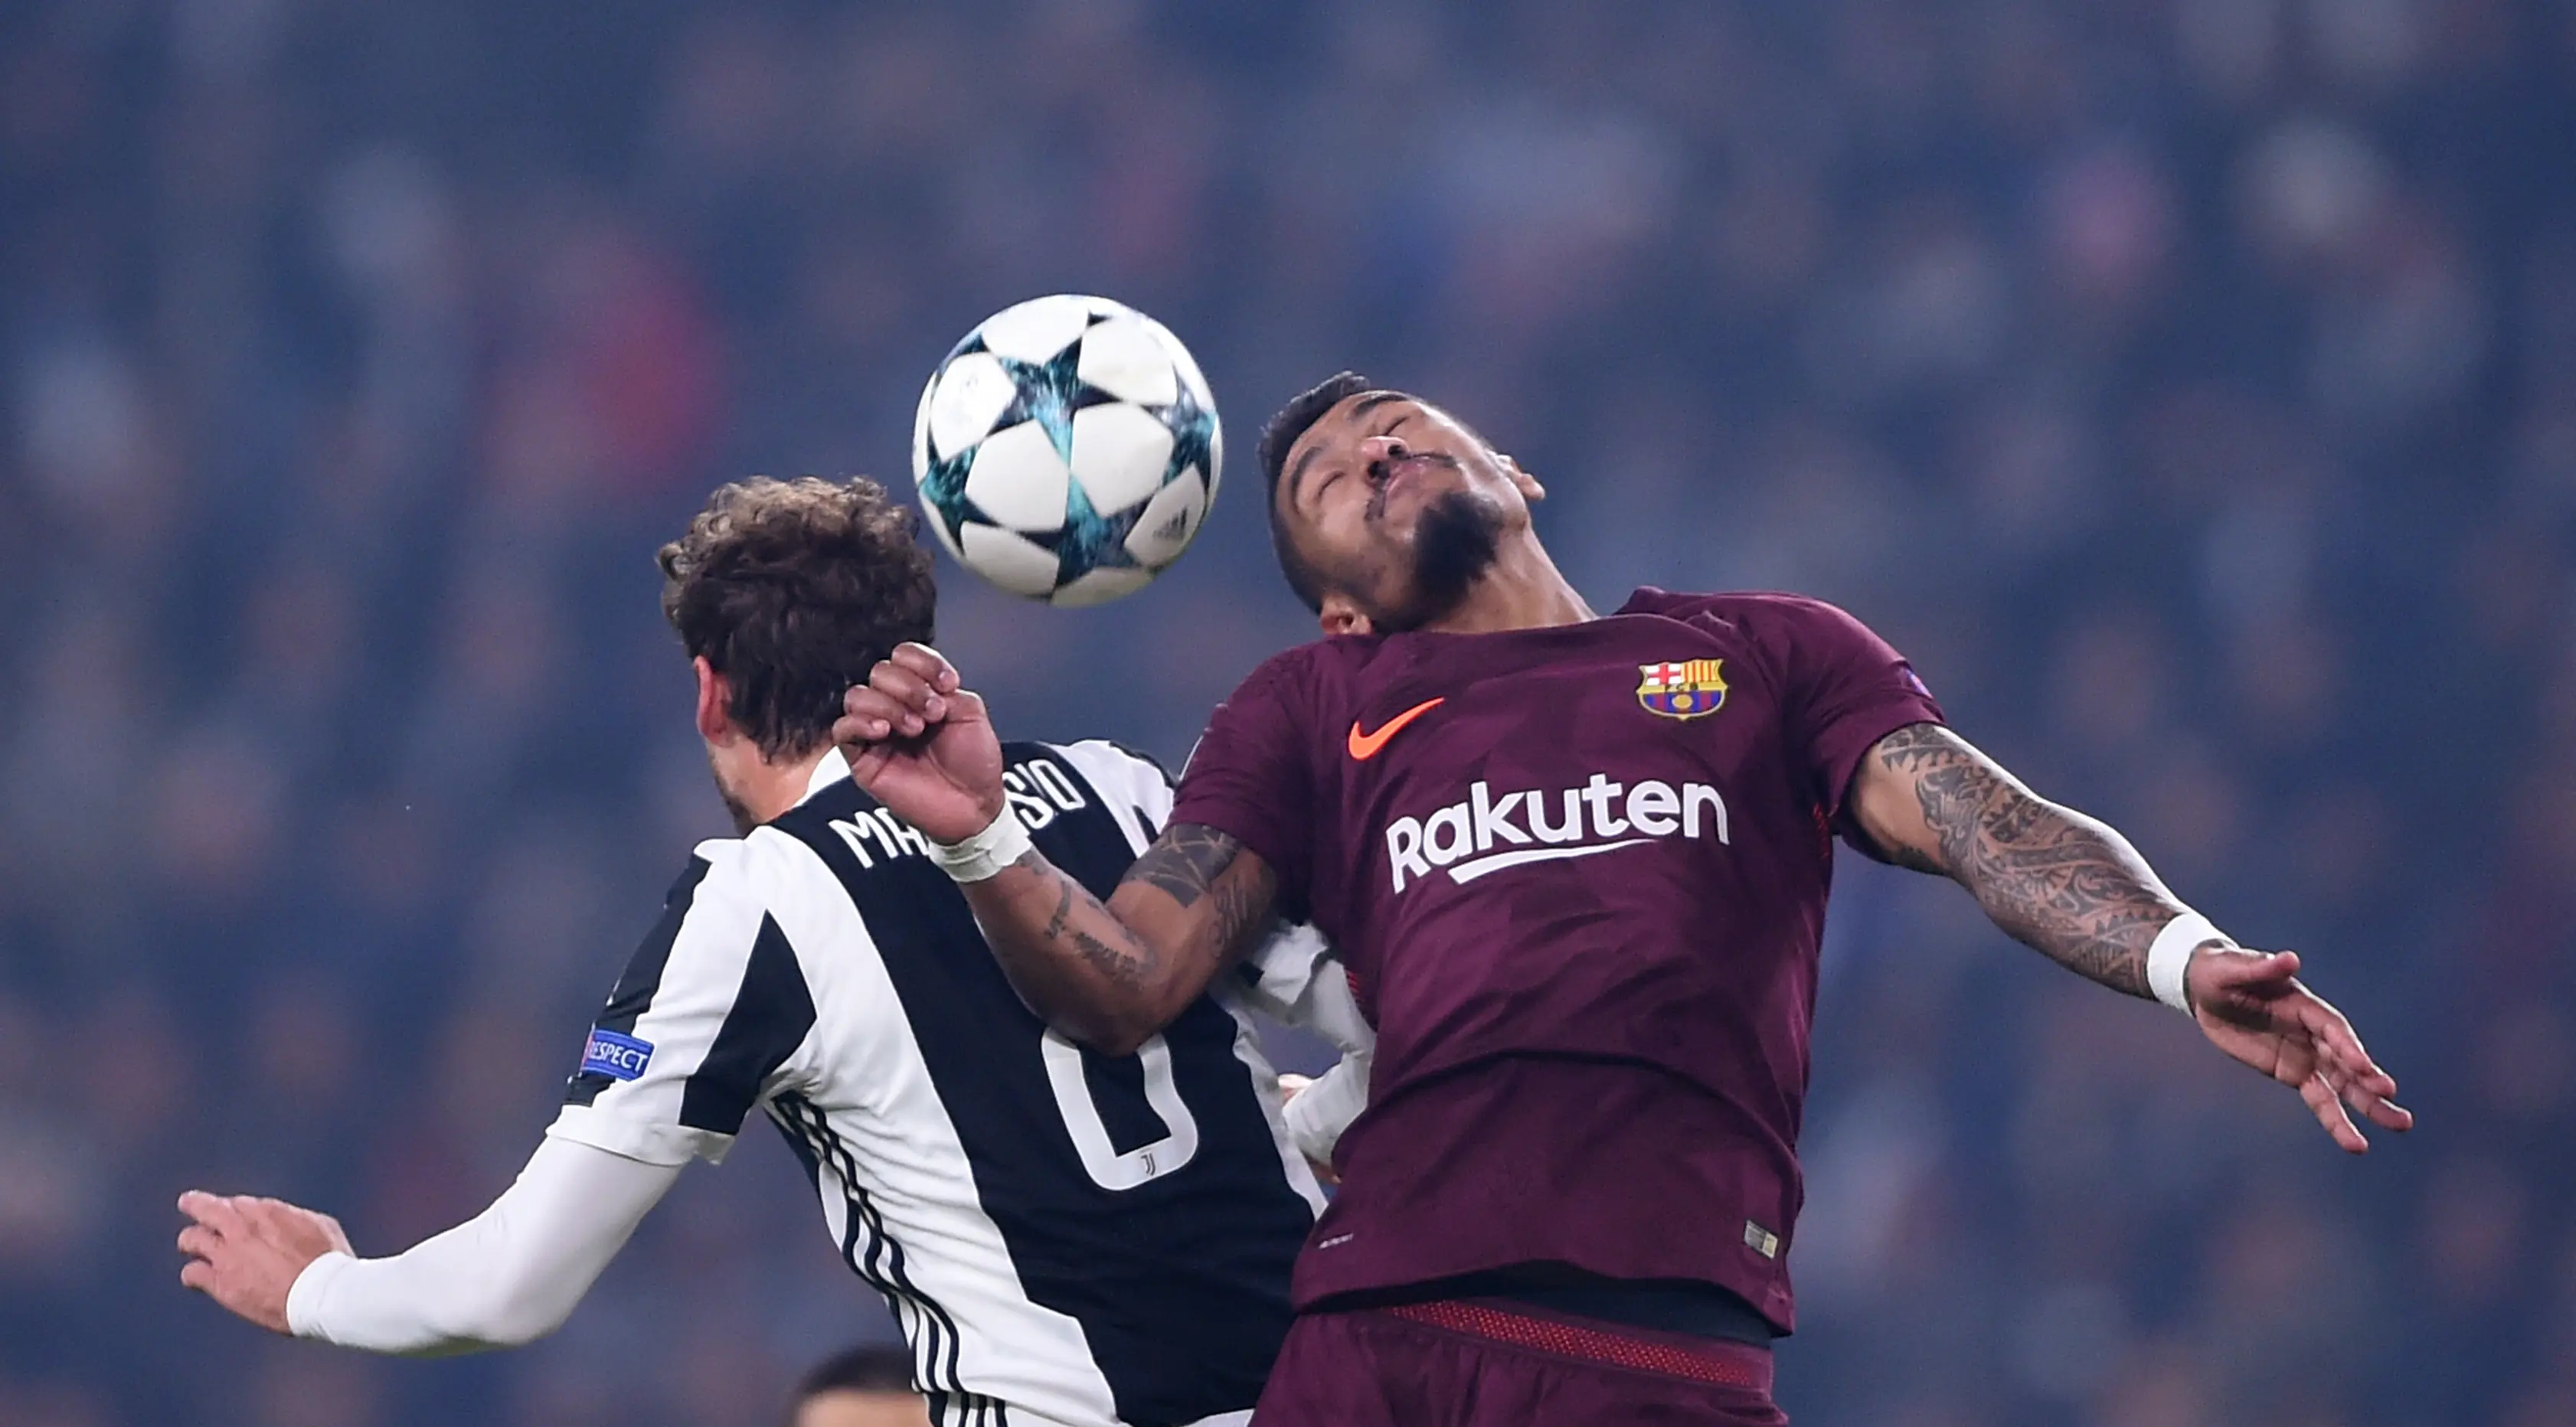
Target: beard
(1457, 539)
(743, 821)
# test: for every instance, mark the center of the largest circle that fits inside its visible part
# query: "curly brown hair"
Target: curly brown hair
(793, 590)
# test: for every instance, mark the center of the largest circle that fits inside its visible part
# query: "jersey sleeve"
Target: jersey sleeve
(700, 1027)
(1250, 777)
(1327, 1107)
(1297, 979)
(507, 1276)
(1846, 689)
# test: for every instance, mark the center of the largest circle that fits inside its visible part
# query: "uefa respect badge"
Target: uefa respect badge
(619, 1057)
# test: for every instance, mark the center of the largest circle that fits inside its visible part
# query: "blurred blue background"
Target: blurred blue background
(2189, 386)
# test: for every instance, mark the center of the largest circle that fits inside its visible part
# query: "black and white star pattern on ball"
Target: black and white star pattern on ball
(1067, 450)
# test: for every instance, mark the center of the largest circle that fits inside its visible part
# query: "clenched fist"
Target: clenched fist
(923, 746)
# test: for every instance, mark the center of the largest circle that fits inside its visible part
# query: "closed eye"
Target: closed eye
(1302, 494)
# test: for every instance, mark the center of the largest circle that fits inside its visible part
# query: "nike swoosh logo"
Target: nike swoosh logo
(1364, 746)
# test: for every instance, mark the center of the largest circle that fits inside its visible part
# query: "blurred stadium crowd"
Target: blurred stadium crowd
(2188, 385)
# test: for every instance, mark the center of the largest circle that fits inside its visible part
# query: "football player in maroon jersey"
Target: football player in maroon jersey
(1577, 863)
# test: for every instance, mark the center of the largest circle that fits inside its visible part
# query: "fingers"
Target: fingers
(2329, 1111)
(2345, 1075)
(2238, 986)
(2365, 1086)
(917, 703)
(867, 717)
(257, 1220)
(927, 665)
(2387, 1114)
(201, 1240)
(2301, 1041)
(215, 1211)
(900, 702)
(2255, 974)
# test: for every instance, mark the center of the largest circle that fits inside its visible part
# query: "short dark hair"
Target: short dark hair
(794, 590)
(870, 1367)
(1302, 411)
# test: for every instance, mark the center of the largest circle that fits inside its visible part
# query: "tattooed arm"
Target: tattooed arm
(2076, 891)
(2055, 880)
(1112, 975)
(1109, 976)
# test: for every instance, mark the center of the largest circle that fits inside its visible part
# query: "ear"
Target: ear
(715, 703)
(1528, 485)
(1340, 616)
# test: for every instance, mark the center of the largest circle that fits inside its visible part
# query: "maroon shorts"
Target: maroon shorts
(1484, 1363)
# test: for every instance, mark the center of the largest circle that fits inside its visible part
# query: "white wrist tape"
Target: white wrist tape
(1002, 842)
(2170, 957)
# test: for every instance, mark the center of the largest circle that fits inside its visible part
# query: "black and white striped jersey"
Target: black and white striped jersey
(1064, 1237)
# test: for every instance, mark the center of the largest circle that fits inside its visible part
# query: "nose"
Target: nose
(1376, 449)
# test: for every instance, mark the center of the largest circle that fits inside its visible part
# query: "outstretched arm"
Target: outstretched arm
(1108, 975)
(2056, 881)
(508, 1276)
(2073, 889)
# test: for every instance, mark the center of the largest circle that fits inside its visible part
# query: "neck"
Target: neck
(768, 790)
(1523, 590)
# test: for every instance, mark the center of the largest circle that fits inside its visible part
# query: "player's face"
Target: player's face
(734, 759)
(1399, 508)
(727, 764)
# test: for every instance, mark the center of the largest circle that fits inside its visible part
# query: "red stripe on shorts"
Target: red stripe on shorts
(1730, 1364)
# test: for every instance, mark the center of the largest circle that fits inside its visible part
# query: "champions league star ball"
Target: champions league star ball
(1067, 450)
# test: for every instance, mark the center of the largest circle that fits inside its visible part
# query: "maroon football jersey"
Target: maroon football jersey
(1579, 876)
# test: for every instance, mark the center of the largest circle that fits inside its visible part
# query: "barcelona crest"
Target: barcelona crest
(1692, 688)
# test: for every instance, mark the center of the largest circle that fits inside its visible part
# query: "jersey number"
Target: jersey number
(1108, 1168)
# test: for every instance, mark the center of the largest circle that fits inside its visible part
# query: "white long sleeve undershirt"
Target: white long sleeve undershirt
(507, 1276)
(1325, 1108)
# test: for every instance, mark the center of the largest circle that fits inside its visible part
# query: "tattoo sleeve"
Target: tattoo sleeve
(2064, 884)
(1111, 974)
(1185, 861)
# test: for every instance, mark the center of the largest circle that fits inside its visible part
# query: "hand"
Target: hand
(2251, 1005)
(923, 746)
(1290, 1087)
(246, 1253)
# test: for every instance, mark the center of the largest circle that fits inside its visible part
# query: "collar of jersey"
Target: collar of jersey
(828, 769)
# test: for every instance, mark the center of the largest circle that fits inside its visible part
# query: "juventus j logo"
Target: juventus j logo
(1108, 1168)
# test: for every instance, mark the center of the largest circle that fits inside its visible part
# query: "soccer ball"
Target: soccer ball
(1067, 450)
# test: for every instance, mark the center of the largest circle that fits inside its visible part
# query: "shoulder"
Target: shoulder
(1106, 764)
(1134, 786)
(1782, 623)
(1295, 668)
(760, 872)
(1310, 676)
(1766, 610)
